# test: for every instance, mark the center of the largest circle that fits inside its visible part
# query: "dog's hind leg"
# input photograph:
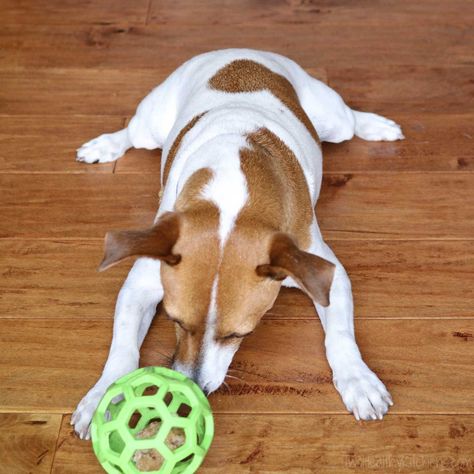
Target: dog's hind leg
(335, 121)
(134, 311)
(361, 390)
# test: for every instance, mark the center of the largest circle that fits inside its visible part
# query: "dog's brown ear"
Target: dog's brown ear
(312, 273)
(156, 242)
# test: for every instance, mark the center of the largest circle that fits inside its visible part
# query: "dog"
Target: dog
(241, 173)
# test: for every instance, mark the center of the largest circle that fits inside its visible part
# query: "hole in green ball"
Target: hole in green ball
(168, 398)
(150, 390)
(134, 419)
(147, 460)
(184, 410)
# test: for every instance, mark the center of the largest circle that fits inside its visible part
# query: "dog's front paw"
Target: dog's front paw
(363, 393)
(81, 418)
(102, 149)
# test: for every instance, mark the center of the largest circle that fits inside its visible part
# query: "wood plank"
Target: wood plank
(33, 144)
(388, 89)
(74, 455)
(364, 206)
(372, 40)
(66, 12)
(433, 142)
(281, 13)
(392, 206)
(58, 278)
(80, 205)
(27, 442)
(282, 367)
(303, 444)
(140, 161)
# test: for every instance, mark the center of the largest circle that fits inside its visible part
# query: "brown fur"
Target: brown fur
(278, 201)
(244, 75)
(156, 242)
(279, 194)
(176, 144)
(312, 273)
(188, 285)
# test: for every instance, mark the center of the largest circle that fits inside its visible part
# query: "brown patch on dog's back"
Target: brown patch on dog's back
(176, 144)
(244, 75)
(190, 198)
(279, 194)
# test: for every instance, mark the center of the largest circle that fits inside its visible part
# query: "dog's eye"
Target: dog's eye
(181, 325)
(235, 335)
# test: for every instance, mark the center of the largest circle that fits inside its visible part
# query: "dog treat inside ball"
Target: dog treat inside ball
(150, 459)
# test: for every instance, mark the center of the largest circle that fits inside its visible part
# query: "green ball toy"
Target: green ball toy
(152, 420)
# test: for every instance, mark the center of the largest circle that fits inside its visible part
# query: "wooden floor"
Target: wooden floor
(399, 215)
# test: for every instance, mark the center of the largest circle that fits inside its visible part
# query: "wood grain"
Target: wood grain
(34, 144)
(140, 162)
(282, 13)
(418, 360)
(390, 279)
(362, 206)
(371, 40)
(80, 205)
(57, 279)
(433, 143)
(297, 444)
(66, 12)
(27, 442)
(406, 88)
(396, 206)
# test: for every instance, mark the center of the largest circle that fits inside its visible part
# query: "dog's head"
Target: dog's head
(215, 294)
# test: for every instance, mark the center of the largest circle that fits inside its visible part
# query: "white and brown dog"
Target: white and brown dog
(241, 173)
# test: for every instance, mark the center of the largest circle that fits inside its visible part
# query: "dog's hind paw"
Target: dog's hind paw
(374, 127)
(103, 149)
(363, 394)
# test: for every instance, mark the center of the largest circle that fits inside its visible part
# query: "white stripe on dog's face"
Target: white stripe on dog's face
(227, 190)
(215, 356)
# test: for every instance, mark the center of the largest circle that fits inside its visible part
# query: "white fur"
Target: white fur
(136, 306)
(215, 356)
(227, 190)
(214, 143)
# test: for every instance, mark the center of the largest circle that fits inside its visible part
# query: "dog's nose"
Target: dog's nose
(202, 384)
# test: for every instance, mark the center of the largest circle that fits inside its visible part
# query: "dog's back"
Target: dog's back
(237, 102)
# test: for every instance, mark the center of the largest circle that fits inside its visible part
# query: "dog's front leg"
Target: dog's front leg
(361, 390)
(135, 308)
